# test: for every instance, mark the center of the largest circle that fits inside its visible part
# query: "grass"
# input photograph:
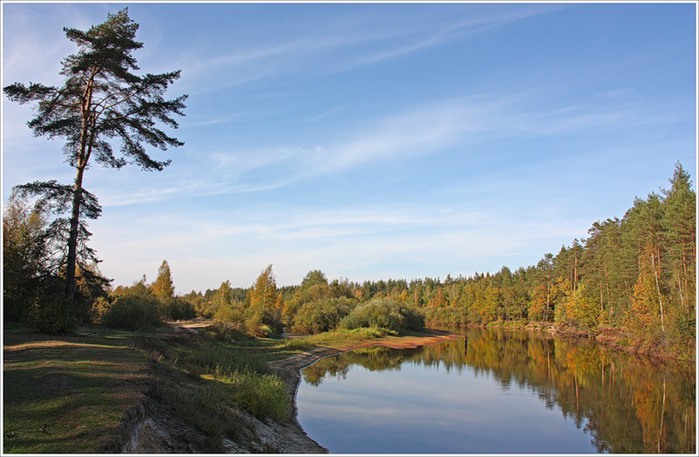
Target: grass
(262, 395)
(67, 394)
(228, 372)
(342, 338)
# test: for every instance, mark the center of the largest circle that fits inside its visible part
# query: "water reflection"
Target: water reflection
(616, 402)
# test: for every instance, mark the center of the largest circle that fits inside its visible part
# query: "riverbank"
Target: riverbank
(152, 429)
(617, 338)
(621, 339)
(289, 368)
(167, 391)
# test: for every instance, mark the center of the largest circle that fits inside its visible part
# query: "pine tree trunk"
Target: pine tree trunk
(657, 286)
(73, 235)
(86, 142)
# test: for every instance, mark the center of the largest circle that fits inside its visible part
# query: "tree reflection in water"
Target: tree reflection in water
(626, 404)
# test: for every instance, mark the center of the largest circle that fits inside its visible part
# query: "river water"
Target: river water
(496, 391)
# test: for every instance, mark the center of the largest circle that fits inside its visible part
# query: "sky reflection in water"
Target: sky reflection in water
(443, 399)
(422, 409)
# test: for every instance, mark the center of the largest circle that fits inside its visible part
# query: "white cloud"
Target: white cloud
(362, 241)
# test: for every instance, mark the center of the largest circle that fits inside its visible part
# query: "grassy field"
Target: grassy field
(67, 393)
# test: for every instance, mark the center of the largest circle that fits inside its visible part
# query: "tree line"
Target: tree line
(635, 273)
(624, 406)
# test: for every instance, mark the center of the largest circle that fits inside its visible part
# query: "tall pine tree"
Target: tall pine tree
(102, 100)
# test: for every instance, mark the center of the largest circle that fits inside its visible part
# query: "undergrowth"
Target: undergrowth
(223, 371)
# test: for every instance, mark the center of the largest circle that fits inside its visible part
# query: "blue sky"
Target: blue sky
(374, 140)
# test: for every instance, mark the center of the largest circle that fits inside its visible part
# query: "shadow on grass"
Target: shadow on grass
(66, 393)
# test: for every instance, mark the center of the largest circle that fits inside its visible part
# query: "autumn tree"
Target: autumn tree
(163, 288)
(265, 303)
(541, 295)
(25, 256)
(645, 233)
(314, 287)
(101, 102)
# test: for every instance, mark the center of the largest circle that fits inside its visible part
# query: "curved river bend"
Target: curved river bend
(497, 391)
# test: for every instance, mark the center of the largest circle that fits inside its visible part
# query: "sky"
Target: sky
(372, 141)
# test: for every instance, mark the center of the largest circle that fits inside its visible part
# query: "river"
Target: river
(497, 391)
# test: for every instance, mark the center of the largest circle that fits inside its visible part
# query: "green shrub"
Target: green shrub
(52, 313)
(224, 331)
(321, 315)
(262, 323)
(381, 313)
(228, 314)
(414, 319)
(130, 312)
(262, 395)
(178, 310)
(98, 309)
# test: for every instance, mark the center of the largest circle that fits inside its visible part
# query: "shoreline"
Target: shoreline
(289, 369)
(614, 338)
(288, 435)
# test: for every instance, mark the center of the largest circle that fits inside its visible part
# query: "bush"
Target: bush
(262, 323)
(53, 313)
(227, 332)
(230, 314)
(414, 319)
(262, 395)
(129, 312)
(381, 313)
(98, 309)
(321, 315)
(179, 310)
(49, 311)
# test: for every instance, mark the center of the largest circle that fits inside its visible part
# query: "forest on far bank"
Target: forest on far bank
(636, 273)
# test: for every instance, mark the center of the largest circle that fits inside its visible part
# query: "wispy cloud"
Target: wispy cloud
(356, 139)
(338, 43)
(354, 240)
(416, 132)
(422, 35)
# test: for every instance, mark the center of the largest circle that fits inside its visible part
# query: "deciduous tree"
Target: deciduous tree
(24, 255)
(162, 287)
